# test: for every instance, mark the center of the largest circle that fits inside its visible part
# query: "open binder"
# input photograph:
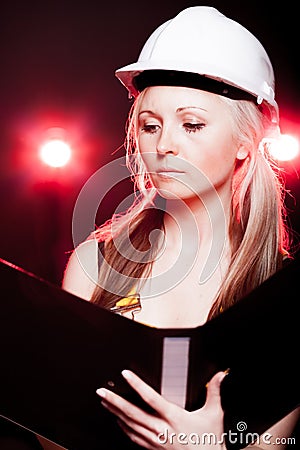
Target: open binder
(57, 349)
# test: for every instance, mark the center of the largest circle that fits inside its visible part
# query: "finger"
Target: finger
(147, 431)
(140, 436)
(149, 395)
(126, 411)
(213, 395)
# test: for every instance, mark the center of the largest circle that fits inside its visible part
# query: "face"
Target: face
(186, 141)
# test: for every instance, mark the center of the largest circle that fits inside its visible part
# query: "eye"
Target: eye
(151, 128)
(193, 127)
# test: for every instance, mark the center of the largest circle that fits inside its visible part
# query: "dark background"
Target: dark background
(57, 70)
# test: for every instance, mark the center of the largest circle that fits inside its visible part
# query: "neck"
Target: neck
(199, 226)
(206, 215)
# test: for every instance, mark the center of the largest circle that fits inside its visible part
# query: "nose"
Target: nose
(166, 143)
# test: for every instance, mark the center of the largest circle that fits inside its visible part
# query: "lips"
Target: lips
(169, 173)
(168, 170)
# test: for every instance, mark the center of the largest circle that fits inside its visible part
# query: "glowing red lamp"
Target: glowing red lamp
(285, 148)
(55, 150)
(55, 153)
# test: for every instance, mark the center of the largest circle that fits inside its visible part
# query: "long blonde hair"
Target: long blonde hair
(258, 233)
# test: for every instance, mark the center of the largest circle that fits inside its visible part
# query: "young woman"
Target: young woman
(208, 222)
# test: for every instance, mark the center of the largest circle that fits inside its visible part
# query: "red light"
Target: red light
(55, 153)
(285, 148)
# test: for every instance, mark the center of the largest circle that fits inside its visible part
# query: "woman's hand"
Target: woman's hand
(172, 427)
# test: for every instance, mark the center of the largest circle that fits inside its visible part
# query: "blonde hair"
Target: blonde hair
(257, 230)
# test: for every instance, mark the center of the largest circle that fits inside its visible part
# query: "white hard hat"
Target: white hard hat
(202, 41)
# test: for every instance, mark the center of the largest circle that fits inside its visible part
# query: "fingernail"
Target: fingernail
(126, 374)
(101, 392)
(227, 371)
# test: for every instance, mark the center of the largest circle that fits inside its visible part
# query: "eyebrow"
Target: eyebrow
(146, 111)
(189, 107)
(178, 110)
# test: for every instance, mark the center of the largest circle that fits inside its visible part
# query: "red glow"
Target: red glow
(55, 153)
(285, 148)
(45, 127)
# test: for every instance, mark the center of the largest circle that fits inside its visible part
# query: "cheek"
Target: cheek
(144, 149)
(217, 164)
(147, 157)
(146, 143)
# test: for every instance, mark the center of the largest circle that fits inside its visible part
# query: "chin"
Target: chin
(175, 194)
(173, 189)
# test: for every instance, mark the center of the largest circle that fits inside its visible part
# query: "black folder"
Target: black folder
(57, 349)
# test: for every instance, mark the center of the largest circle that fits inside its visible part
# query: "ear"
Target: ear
(242, 153)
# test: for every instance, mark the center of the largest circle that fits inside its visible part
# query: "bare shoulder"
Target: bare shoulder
(279, 435)
(81, 273)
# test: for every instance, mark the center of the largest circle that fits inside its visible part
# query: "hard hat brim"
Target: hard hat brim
(130, 73)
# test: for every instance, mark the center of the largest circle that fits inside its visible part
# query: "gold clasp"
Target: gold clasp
(131, 303)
